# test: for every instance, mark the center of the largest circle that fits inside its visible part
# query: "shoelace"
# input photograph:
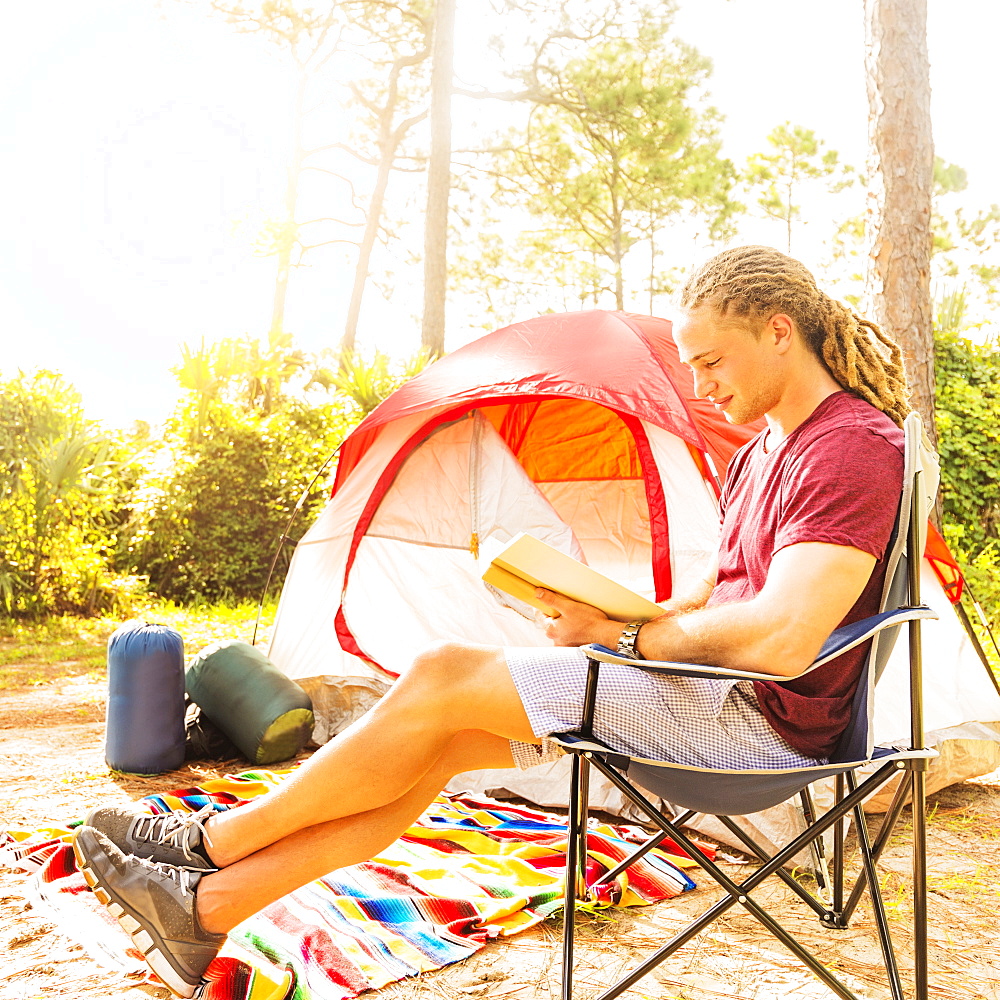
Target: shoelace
(171, 873)
(174, 827)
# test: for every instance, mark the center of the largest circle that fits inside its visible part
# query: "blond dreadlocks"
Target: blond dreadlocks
(756, 282)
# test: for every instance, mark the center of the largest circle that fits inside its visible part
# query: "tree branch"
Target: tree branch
(342, 222)
(403, 127)
(325, 243)
(497, 95)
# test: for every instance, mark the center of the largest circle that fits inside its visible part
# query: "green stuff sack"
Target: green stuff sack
(266, 714)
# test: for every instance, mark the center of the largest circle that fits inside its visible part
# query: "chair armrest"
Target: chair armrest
(839, 641)
(848, 636)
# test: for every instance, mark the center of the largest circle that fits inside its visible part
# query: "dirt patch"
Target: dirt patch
(52, 754)
(71, 702)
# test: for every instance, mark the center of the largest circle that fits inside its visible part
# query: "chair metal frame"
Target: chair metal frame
(835, 901)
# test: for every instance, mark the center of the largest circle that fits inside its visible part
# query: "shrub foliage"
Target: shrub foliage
(250, 444)
(200, 511)
(209, 516)
(62, 486)
(968, 421)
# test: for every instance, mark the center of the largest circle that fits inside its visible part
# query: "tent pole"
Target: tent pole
(284, 538)
(982, 616)
(977, 645)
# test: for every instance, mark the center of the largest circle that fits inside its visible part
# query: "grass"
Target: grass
(976, 883)
(203, 624)
(61, 646)
(39, 652)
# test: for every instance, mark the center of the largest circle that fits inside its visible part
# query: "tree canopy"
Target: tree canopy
(795, 158)
(618, 143)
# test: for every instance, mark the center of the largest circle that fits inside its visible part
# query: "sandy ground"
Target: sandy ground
(52, 753)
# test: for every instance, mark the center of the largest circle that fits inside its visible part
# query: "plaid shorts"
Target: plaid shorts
(696, 721)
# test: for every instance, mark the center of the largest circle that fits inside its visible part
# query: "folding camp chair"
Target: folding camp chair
(728, 793)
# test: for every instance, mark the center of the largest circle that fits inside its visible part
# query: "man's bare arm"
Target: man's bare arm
(698, 595)
(810, 588)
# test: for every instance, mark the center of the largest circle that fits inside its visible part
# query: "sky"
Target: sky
(143, 143)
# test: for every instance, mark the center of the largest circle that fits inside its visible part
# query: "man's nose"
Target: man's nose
(704, 385)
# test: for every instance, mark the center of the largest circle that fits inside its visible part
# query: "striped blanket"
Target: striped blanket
(470, 870)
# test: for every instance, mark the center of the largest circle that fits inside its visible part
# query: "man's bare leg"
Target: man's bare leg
(381, 757)
(229, 896)
(455, 711)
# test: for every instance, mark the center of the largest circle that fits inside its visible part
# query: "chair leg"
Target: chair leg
(880, 843)
(821, 907)
(878, 907)
(838, 851)
(582, 825)
(915, 785)
(654, 840)
(623, 866)
(918, 808)
(821, 871)
(738, 893)
(572, 879)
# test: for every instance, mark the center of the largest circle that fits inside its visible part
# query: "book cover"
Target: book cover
(526, 563)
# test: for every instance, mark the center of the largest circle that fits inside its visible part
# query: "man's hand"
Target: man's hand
(577, 624)
(810, 587)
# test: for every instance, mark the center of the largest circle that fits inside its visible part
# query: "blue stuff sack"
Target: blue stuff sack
(145, 714)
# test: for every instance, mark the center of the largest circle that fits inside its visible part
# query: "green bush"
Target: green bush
(63, 483)
(209, 516)
(239, 456)
(968, 423)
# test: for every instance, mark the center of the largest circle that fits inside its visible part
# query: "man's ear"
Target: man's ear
(780, 328)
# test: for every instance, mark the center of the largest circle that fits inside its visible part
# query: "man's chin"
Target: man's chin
(739, 415)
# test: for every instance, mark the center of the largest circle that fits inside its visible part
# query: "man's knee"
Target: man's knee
(456, 668)
(468, 686)
(448, 661)
(436, 661)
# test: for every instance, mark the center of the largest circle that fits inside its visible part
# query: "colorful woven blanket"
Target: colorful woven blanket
(470, 870)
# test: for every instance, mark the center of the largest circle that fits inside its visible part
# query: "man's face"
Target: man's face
(740, 374)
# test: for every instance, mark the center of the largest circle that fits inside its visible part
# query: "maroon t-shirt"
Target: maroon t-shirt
(836, 478)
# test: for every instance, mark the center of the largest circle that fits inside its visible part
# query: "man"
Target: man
(808, 510)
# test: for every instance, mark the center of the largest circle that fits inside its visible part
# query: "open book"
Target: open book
(526, 563)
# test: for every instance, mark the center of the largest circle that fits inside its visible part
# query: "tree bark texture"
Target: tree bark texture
(438, 180)
(900, 168)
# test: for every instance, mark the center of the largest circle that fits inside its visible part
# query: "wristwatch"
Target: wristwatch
(626, 641)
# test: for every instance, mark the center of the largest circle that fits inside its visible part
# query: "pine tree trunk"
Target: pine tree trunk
(618, 247)
(389, 140)
(288, 235)
(901, 165)
(438, 180)
(361, 271)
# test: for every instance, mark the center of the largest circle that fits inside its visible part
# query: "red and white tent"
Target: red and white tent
(580, 428)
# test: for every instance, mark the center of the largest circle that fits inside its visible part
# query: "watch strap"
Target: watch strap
(627, 640)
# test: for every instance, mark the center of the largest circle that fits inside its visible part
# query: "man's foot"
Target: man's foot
(155, 904)
(173, 838)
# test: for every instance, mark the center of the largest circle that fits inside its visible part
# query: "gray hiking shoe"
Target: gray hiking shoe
(173, 838)
(155, 905)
